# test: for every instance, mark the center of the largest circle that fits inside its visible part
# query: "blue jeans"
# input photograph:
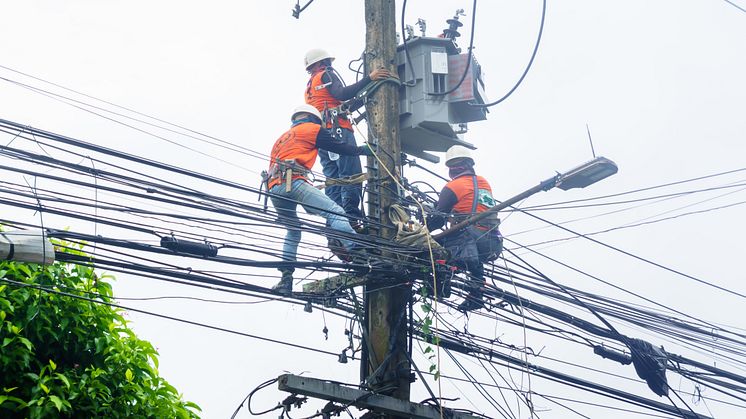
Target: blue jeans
(471, 247)
(347, 197)
(314, 202)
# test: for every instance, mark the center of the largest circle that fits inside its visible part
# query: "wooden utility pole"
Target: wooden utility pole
(386, 308)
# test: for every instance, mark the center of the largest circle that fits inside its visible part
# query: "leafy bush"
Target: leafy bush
(67, 357)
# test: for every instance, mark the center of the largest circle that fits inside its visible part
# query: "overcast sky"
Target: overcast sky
(660, 84)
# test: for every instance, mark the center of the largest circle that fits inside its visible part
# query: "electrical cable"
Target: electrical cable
(735, 5)
(468, 57)
(298, 9)
(647, 188)
(640, 258)
(96, 218)
(251, 393)
(603, 204)
(626, 226)
(163, 316)
(257, 154)
(528, 67)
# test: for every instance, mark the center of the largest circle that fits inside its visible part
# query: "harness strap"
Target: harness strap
(476, 196)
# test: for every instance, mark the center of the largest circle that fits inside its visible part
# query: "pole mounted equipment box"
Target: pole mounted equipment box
(429, 118)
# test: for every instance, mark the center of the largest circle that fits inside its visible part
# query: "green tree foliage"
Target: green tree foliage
(67, 357)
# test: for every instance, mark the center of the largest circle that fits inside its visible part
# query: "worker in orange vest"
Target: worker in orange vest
(465, 195)
(292, 157)
(325, 91)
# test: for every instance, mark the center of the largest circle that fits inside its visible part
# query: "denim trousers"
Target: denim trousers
(314, 202)
(347, 197)
(471, 247)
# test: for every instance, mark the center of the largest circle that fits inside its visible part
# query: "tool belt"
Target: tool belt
(286, 170)
(491, 222)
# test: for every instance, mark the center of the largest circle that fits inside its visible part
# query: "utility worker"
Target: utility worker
(293, 155)
(465, 195)
(326, 92)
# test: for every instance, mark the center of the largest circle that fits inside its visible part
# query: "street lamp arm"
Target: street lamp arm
(584, 175)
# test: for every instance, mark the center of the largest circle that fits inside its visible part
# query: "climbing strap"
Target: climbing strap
(476, 195)
(344, 181)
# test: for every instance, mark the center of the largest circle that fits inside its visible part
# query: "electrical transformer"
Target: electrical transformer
(431, 117)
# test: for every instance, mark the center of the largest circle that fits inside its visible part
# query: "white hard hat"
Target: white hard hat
(306, 108)
(457, 152)
(315, 55)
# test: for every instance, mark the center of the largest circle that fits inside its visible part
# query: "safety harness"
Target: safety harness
(489, 223)
(330, 116)
(286, 170)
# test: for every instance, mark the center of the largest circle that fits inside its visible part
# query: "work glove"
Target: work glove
(364, 150)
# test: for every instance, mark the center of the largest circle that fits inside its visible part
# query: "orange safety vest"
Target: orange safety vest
(318, 96)
(463, 188)
(298, 144)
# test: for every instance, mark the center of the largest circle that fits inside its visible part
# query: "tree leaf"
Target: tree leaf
(194, 406)
(27, 343)
(95, 342)
(64, 379)
(57, 402)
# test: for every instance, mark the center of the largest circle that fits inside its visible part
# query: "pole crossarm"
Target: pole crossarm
(348, 396)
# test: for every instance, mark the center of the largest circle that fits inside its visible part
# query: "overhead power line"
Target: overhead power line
(735, 5)
(530, 61)
(640, 258)
(163, 316)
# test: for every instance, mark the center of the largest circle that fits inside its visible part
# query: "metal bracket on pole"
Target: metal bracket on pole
(349, 396)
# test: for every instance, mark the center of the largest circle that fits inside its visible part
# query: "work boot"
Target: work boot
(285, 286)
(473, 301)
(338, 249)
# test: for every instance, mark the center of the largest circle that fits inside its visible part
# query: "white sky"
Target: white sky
(660, 83)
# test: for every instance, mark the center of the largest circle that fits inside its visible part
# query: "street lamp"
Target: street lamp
(587, 174)
(579, 177)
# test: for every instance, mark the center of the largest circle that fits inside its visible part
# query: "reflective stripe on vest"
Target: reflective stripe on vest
(299, 144)
(318, 96)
